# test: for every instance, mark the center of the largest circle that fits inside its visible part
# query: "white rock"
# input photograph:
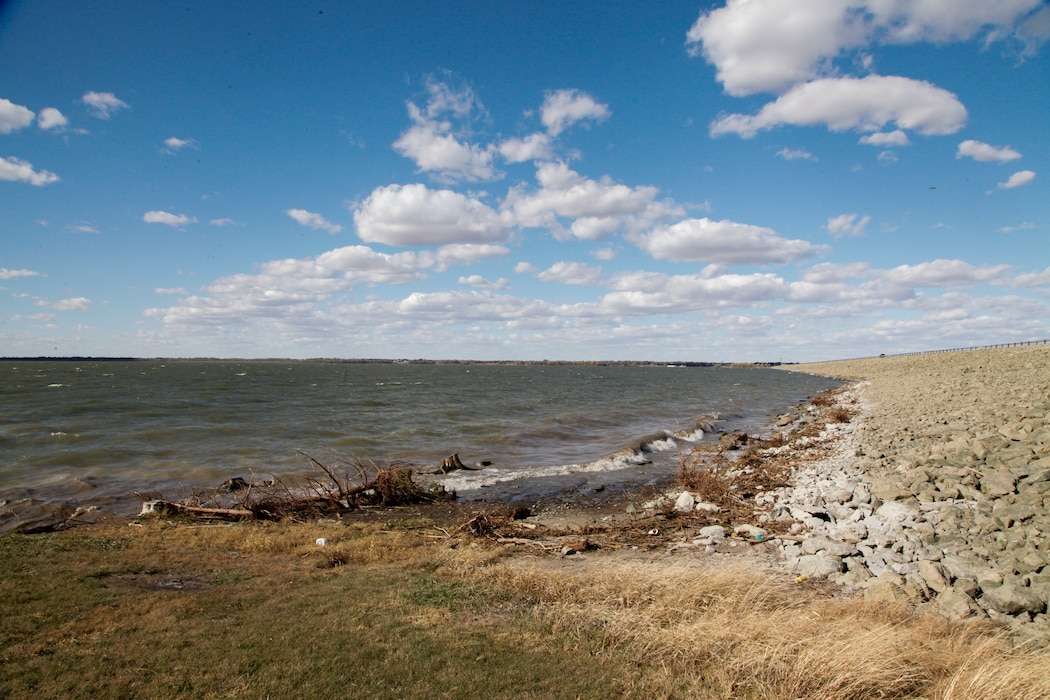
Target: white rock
(935, 575)
(712, 532)
(819, 565)
(896, 511)
(685, 502)
(751, 531)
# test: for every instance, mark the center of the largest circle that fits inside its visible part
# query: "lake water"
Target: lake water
(100, 431)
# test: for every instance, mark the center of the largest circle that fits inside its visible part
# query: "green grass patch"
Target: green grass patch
(260, 611)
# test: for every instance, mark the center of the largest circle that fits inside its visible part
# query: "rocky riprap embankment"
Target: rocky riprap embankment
(938, 492)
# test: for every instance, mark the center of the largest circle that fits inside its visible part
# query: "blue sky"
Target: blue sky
(751, 180)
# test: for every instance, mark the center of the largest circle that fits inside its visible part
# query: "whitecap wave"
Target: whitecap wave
(472, 480)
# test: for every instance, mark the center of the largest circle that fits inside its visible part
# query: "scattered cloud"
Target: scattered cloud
(288, 291)
(746, 41)
(479, 282)
(314, 221)
(651, 292)
(795, 154)
(886, 138)
(564, 108)
(6, 274)
(103, 105)
(222, 222)
(434, 143)
(981, 151)
(723, 242)
(173, 145)
(568, 203)
(466, 254)
(1023, 226)
(571, 273)
(170, 290)
(73, 304)
(1035, 31)
(1029, 279)
(168, 219)
(410, 215)
(50, 118)
(847, 225)
(532, 147)
(943, 273)
(16, 170)
(1022, 177)
(14, 117)
(905, 22)
(82, 228)
(862, 104)
(887, 158)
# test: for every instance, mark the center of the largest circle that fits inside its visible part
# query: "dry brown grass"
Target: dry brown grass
(395, 607)
(839, 414)
(823, 400)
(736, 631)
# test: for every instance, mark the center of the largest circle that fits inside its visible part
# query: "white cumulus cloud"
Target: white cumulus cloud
(943, 273)
(863, 104)
(103, 104)
(771, 45)
(50, 118)
(532, 147)
(167, 218)
(466, 254)
(571, 273)
(1019, 178)
(723, 242)
(981, 151)
(314, 221)
(886, 138)
(480, 282)
(408, 215)
(16, 170)
(435, 144)
(73, 304)
(942, 21)
(6, 274)
(752, 51)
(847, 225)
(596, 208)
(173, 144)
(563, 108)
(14, 117)
(795, 154)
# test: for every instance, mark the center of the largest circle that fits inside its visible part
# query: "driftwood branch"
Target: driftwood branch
(162, 507)
(332, 494)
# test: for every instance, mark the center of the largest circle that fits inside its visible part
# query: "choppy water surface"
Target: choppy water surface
(97, 430)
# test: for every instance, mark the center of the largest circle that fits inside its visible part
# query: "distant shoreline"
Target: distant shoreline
(421, 361)
(582, 363)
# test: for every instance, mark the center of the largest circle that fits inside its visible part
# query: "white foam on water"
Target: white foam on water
(471, 480)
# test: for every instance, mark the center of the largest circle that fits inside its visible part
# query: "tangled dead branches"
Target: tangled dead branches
(335, 491)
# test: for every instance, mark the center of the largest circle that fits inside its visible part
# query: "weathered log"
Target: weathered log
(453, 463)
(172, 508)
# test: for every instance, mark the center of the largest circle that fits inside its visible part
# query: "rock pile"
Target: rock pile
(939, 492)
